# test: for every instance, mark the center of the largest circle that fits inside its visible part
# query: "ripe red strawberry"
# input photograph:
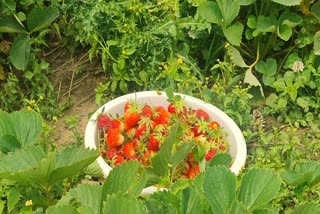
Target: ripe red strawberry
(177, 108)
(128, 105)
(111, 152)
(210, 154)
(171, 108)
(153, 144)
(118, 159)
(162, 115)
(104, 121)
(146, 111)
(114, 138)
(117, 124)
(201, 114)
(129, 150)
(131, 119)
(198, 130)
(142, 128)
(193, 171)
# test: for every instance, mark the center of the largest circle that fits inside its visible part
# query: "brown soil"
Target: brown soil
(75, 78)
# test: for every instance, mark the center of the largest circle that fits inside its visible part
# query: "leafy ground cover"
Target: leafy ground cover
(256, 60)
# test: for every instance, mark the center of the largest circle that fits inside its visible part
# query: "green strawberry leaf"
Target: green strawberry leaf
(161, 161)
(128, 177)
(118, 204)
(180, 155)
(223, 159)
(308, 207)
(158, 207)
(258, 187)
(220, 188)
(71, 160)
(28, 126)
(305, 174)
(89, 195)
(8, 143)
(191, 201)
(238, 208)
(62, 209)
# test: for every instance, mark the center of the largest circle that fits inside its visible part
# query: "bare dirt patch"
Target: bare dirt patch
(75, 79)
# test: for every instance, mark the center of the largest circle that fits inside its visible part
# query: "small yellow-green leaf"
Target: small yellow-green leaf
(252, 80)
(237, 58)
(284, 32)
(316, 45)
(233, 33)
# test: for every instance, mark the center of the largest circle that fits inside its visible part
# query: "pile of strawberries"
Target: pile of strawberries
(142, 129)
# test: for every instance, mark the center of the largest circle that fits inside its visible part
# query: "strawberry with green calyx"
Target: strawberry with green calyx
(114, 138)
(162, 116)
(177, 108)
(131, 105)
(154, 143)
(147, 124)
(201, 114)
(146, 111)
(129, 150)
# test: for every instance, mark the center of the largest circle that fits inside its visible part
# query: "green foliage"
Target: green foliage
(129, 177)
(214, 191)
(32, 166)
(266, 79)
(28, 168)
(37, 19)
(144, 45)
(223, 14)
(24, 27)
(19, 129)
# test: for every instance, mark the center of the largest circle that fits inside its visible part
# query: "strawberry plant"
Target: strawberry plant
(30, 169)
(214, 191)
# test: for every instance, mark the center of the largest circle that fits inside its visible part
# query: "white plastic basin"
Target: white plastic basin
(237, 145)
